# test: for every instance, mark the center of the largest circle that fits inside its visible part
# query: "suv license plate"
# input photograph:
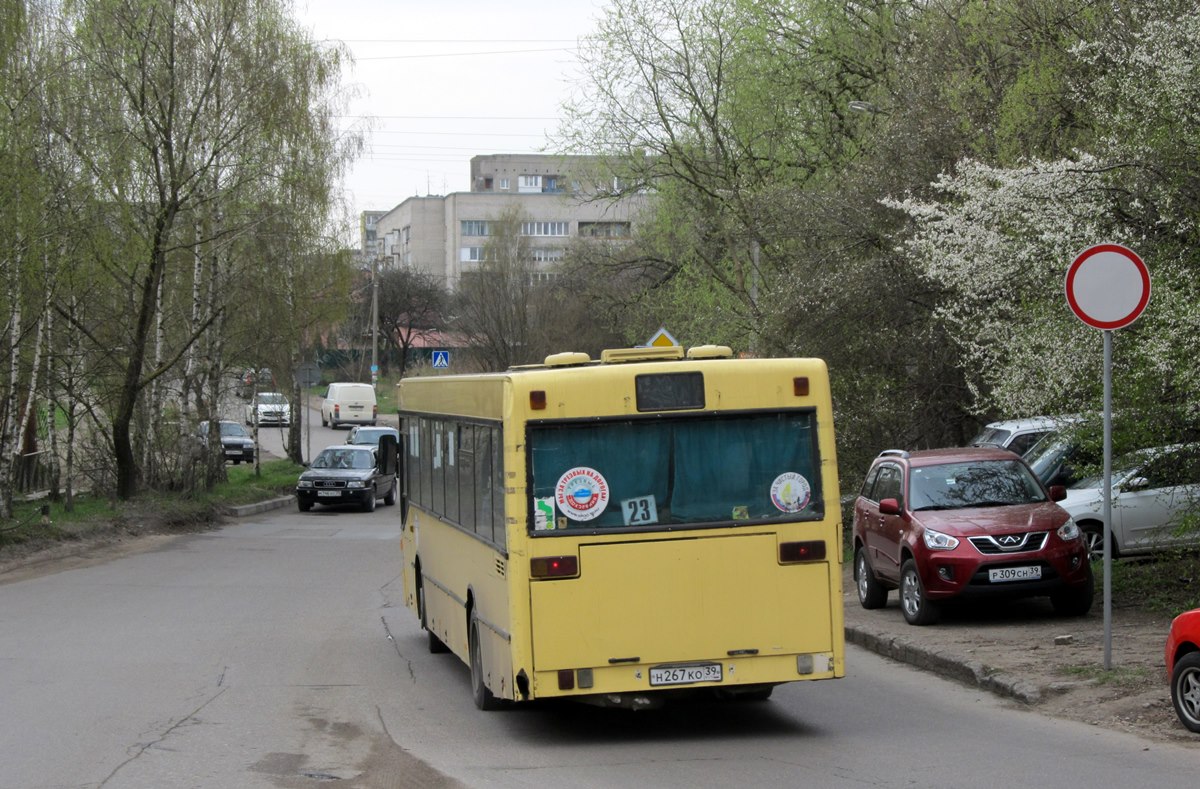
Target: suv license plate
(330, 493)
(1014, 574)
(685, 675)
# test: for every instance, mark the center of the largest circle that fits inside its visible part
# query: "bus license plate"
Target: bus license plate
(1014, 574)
(685, 675)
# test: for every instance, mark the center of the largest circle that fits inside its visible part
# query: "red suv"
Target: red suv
(947, 523)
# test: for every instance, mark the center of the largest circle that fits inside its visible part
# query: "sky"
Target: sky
(440, 81)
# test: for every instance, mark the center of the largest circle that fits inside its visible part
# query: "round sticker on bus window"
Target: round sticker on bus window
(790, 492)
(581, 494)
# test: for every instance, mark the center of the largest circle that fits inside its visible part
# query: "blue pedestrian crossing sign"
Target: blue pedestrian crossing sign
(441, 360)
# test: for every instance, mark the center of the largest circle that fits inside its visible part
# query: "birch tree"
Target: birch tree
(181, 109)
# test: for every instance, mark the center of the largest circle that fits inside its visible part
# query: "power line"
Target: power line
(466, 54)
(456, 117)
(451, 40)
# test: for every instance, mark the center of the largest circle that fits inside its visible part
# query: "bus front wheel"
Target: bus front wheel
(483, 697)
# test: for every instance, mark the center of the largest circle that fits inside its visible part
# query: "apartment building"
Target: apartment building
(554, 196)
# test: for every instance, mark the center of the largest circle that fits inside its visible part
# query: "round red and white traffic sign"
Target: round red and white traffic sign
(1108, 286)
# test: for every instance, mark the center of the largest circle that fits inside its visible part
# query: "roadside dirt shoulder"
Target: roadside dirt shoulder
(1053, 665)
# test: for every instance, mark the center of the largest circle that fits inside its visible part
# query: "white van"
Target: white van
(349, 404)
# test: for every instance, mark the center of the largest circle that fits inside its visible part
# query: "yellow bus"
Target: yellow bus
(618, 531)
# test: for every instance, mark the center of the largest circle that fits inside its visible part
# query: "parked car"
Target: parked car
(1018, 435)
(365, 434)
(349, 403)
(350, 474)
(954, 523)
(236, 444)
(1154, 491)
(1062, 459)
(268, 408)
(1183, 667)
(254, 379)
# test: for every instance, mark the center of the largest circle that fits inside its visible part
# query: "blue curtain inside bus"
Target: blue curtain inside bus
(698, 470)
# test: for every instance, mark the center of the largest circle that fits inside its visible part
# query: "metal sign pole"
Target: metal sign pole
(1107, 500)
(1107, 287)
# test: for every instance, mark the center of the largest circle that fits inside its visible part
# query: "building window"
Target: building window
(545, 228)
(547, 255)
(529, 183)
(604, 230)
(504, 184)
(474, 227)
(471, 254)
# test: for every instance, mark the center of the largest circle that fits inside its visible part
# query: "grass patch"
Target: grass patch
(1167, 583)
(1118, 676)
(31, 527)
(276, 477)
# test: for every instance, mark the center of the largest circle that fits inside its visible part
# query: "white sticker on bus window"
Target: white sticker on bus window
(790, 492)
(581, 494)
(640, 511)
(543, 513)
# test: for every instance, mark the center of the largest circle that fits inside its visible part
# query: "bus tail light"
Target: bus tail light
(537, 400)
(796, 552)
(800, 386)
(554, 567)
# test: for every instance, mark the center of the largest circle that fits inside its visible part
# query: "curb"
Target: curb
(261, 506)
(968, 672)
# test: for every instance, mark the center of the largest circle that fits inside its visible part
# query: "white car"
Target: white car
(1155, 502)
(365, 434)
(1019, 435)
(268, 408)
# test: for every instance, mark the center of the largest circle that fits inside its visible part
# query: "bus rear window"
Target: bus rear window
(669, 391)
(683, 471)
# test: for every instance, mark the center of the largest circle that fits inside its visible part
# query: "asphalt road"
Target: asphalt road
(276, 653)
(313, 437)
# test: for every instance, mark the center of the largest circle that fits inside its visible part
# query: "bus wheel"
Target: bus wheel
(484, 699)
(436, 647)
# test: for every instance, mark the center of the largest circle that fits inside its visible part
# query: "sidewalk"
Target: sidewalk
(1022, 650)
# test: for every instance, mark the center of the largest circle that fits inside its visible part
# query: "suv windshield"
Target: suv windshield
(232, 429)
(664, 472)
(989, 483)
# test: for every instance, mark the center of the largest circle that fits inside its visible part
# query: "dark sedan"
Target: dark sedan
(236, 444)
(350, 474)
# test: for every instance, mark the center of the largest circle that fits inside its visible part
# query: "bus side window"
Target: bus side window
(495, 491)
(466, 476)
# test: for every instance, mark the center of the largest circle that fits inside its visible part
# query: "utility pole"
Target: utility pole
(374, 320)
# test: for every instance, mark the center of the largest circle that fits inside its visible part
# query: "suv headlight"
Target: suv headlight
(304, 483)
(936, 541)
(356, 483)
(1069, 531)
